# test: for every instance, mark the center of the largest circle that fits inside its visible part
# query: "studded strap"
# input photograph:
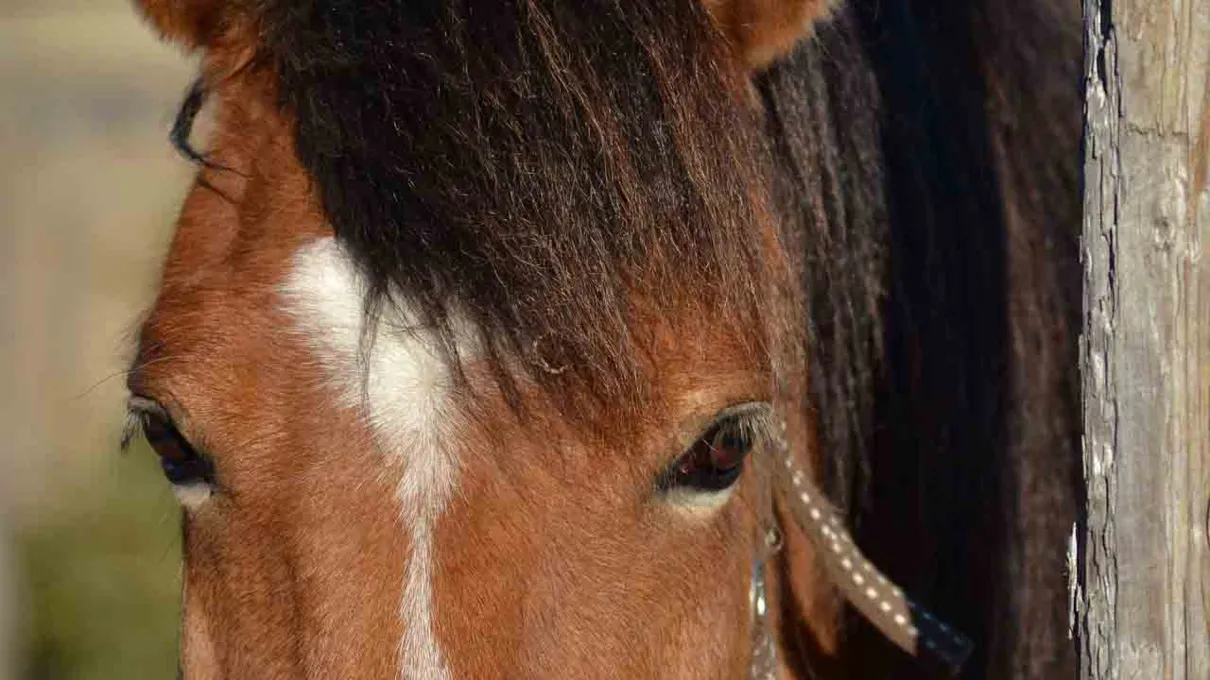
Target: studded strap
(884, 604)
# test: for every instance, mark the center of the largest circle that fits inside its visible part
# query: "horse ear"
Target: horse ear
(763, 30)
(195, 24)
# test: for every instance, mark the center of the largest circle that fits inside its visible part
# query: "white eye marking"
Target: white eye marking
(191, 496)
(404, 387)
(696, 503)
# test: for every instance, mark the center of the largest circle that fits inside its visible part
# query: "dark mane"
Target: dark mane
(531, 166)
(929, 160)
(823, 119)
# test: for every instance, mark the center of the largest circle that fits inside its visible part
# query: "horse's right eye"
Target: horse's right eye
(182, 464)
(714, 462)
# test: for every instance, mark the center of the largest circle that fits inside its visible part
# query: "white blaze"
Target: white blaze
(399, 380)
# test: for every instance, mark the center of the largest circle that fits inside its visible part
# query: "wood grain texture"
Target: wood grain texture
(1142, 586)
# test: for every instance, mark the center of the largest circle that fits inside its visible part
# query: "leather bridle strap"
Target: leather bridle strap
(883, 603)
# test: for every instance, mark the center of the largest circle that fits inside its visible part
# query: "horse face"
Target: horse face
(358, 503)
(358, 512)
(354, 510)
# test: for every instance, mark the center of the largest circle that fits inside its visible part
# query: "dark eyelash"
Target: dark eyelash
(132, 429)
(752, 424)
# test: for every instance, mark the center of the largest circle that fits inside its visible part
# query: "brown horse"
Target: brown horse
(482, 346)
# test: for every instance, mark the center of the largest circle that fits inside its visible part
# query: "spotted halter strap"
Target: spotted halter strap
(880, 601)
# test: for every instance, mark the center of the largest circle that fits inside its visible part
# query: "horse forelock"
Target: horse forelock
(558, 176)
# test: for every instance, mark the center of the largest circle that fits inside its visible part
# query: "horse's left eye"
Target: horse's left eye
(713, 463)
(182, 464)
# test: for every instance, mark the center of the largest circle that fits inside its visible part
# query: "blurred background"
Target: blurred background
(89, 547)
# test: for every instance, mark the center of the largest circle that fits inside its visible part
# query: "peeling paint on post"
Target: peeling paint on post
(1143, 582)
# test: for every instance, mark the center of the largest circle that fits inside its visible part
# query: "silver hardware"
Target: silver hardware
(764, 650)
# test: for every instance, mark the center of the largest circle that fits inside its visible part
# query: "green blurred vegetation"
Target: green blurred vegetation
(101, 579)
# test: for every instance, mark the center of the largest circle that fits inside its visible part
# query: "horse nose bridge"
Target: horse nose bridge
(425, 487)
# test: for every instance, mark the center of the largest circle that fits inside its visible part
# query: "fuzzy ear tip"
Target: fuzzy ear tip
(765, 30)
(188, 23)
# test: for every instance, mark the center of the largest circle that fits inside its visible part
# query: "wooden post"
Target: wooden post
(1141, 586)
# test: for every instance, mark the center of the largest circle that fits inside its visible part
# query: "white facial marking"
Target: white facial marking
(192, 496)
(399, 379)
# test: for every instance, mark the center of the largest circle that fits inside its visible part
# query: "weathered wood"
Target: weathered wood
(1143, 587)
